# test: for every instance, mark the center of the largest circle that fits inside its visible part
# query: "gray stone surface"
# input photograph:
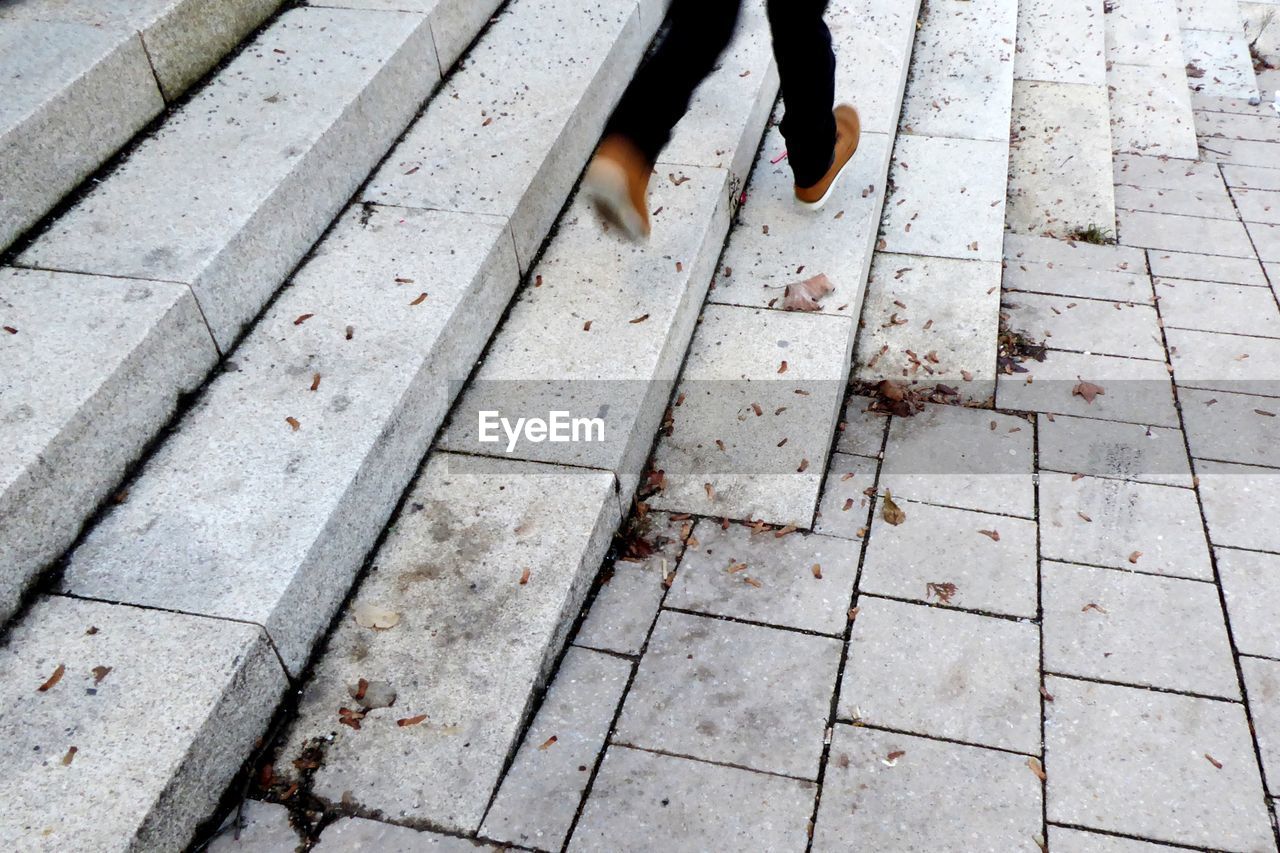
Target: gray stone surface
(1262, 686)
(1207, 268)
(1088, 325)
(1166, 173)
(1258, 205)
(513, 145)
(1137, 629)
(1231, 427)
(73, 95)
(1224, 57)
(1251, 584)
(276, 534)
(1021, 275)
(862, 430)
(880, 33)
(1063, 840)
(932, 796)
(1256, 177)
(1137, 391)
(281, 142)
(1112, 449)
(1133, 761)
(970, 225)
(1151, 111)
(1217, 307)
(944, 673)
(951, 456)
(1215, 361)
(1143, 32)
(1075, 254)
(1214, 203)
(1242, 152)
(1060, 42)
(357, 834)
(712, 578)
(157, 735)
(1172, 232)
(1266, 239)
(472, 644)
(540, 794)
(734, 369)
(1213, 125)
(92, 373)
(1103, 522)
(845, 508)
(643, 801)
(938, 545)
(263, 828)
(1234, 498)
(628, 600)
(1208, 15)
(698, 694)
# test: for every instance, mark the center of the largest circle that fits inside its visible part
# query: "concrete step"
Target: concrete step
(82, 77)
(1147, 81)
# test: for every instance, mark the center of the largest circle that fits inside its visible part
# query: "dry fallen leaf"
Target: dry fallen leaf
(1215, 762)
(1048, 697)
(1092, 606)
(548, 742)
(944, 591)
(71, 753)
(753, 582)
(994, 535)
(53, 679)
(891, 512)
(405, 722)
(710, 490)
(372, 616)
(99, 673)
(1087, 390)
(293, 423)
(805, 295)
(302, 318)
(422, 297)
(524, 576)
(1133, 558)
(817, 570)
(1036, 768)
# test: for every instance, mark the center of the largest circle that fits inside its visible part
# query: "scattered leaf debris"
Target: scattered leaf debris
(891, 512)
(816, 568)
(549, 742)
(993, 535)
(294, 423)
(524, 576)
(805, 295)
(1215, 762)
(405, 722)
(1087, 390)
(99, 673)
(1036, 768)
(53, 679)
(71, 754)
(943, 591)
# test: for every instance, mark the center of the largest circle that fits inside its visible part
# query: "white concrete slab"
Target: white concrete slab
(1151, 111)
(1061, 41)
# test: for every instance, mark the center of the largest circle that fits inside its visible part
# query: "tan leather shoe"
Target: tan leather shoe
(618, 182)
(848, 132)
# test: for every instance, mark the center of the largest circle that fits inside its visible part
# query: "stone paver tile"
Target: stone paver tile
(962, 71)
(1135, 628)
(1166, 173)
(947, 330)
(775, 422)
(697, 693)
(1261, 177)
(1251, 585)
(1143, 32)
(945, 673)
(642, 801)
(1266, 237)
(1112, 449)
(152, 717)
(1136, 390)
(1151, 111)
(1223, 56)
(1104, 522)
(540, 794)
(1063, 840)
(1208, 15)
(1258, 205)
(1134, 761)
(969, 225)
(1207, 268)
(930, 796)
(264, 828)
(1051, 278)
(844, 510)
(1239, 501)
(1087, 325)
(628, 599)
(1218, 307)
(351, 834)
(1241, 152)
(1238, 106)
(1172, 232)
(759, 577)
(1214, 204)
(862, 430)
(1211, 125)
(991, 559)
(1240, 363)
(1060, 43)
(1231, 427)
(1058, 180)
(950, 455)
(1262, 687)
(1074, 254)
(880, 35)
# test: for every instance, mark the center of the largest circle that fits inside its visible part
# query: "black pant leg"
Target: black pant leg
(807, 69)
(697, 33)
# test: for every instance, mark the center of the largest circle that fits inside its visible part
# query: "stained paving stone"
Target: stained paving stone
(351, 834)
(1151, 111)
(760, 577)
(1031, 277)
(990, 559)
(1241, 152)
(1143, 32)
(1172, 232)
(1137, 629)
(892, 791)
(1258, 205)
(1088, 325)
(1251, 585)
(1208, 15)
(628, 600)
(1254, 177)
(1213, 125)
(944, 673)
(1133, 761)
(775, 424)
(644, 801)
(1060, 43)
(1063, 840)
(1262, 687)
(1136, 390)
(844, 510)
(539, 797)
(1207, 268)
(1218, 307)
(1234, 497)
(950, 455)
(263, 828)
(1266, 238)
(1245, 364)
(697, 694)
(1062, 141)
(1231, 427)
(1073, 253)
(1103, 522)
(1112, 449)
(861, 429)
(969, 226)
(1166, 173)
(1224, 58)
(1213, 204)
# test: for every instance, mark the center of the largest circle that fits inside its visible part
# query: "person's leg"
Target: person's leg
(806, 68)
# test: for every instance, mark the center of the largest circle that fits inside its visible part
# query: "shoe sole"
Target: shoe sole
(606, 185)
(817, 205)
